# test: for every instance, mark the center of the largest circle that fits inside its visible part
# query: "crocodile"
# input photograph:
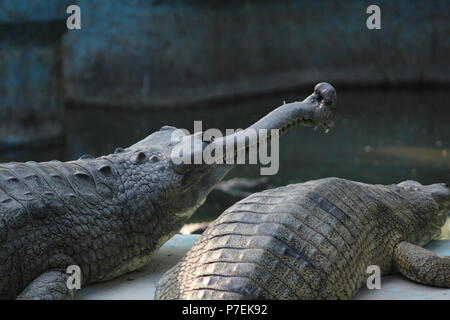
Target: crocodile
(108, 215)
(313, 241)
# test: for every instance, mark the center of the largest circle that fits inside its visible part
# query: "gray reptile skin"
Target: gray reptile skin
(314, 240)
(108, 215)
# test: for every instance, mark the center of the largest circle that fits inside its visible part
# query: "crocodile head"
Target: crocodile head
(178, 188)
(183, 185)
(440, 194)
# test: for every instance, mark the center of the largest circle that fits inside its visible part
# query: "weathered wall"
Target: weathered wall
(153, 53)
(31, 103)
(166, 53)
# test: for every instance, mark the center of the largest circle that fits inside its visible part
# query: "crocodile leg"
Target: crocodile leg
(51, 285)
(422, 265)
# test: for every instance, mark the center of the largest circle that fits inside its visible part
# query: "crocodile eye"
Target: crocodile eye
(139, 157)
(105, 169)
(86, 157)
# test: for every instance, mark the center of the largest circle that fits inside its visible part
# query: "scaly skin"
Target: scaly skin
(108, 215)
(314, 240)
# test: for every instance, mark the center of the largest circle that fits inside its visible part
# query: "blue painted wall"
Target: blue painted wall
(26, 11)
(31, 102)
(147, 53)
(169, 53)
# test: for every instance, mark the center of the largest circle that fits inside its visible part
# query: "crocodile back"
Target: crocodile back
(45, 211)
(305, 241)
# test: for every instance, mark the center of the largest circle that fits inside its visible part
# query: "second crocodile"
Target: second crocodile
(314, 240)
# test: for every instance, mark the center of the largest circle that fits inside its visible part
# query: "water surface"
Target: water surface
(380, 136)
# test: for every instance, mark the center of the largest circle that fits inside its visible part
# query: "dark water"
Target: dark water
(380, 136)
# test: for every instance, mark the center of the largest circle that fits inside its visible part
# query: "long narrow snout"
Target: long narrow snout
(317, 110)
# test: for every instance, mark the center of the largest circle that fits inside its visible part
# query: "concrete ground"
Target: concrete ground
(140, 285)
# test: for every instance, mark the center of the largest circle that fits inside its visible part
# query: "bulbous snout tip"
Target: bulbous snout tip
(326, 97)
(325, 93)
